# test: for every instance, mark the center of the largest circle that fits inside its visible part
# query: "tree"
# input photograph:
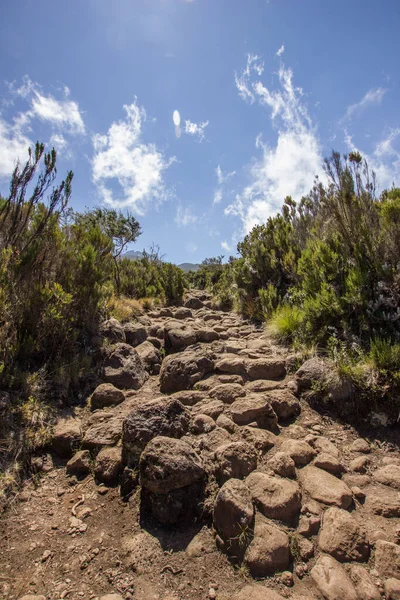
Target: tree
(120, 229)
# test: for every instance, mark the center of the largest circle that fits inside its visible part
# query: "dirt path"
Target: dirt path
(70, 537)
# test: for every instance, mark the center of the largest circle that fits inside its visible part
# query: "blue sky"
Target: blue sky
(199, 116)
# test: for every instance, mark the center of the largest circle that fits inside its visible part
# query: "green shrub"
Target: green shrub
(286, 323)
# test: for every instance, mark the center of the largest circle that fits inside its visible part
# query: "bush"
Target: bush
(286, 323)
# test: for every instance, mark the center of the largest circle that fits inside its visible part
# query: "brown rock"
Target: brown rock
(309, 526)
(150, 357)
(104, 395)
(254, 407)
(275, 497)
(66, 436)
(387, 559)
(360, 464)
(181, 371)
(284, 403)
(208, 406)
(202, 424)
(123, 368)
(261, 439)
(231, 364)
(226, 423)
(324, 487)
(234, 516)
(135, 333)
(360, 445)
(328, 463)
(268, 551)
(392, 589)
(332, 580)
(389, 475)
(283, 464)
(167, 464)
(256, 592)
(384, 502)
(80, 464)
(365, 587)
(177, 337)
(301, 452)
(234, 460)
(108, 465)
(342, 537)
(227, 392)
(183, 313)
(107, 433)
(266, 368)
(112, 330)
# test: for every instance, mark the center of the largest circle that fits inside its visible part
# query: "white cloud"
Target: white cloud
(64, 114)
(281, 50)
(218, 195)
(242, 81)
(289, 167)
(371, 98)
(196, 129)
(185, 217)
(138, 168)
(13, 146)
(226, 246)
(223, 177)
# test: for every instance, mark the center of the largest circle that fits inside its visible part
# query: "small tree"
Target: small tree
(121, 229)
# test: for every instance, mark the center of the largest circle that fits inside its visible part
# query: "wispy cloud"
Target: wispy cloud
(121, 156)
(243, 80)
(196, 129)
(62, 116)
(185, 217)
(289, 167)
(372, 98)
(222, 179)
(281, 50)
(226, 246)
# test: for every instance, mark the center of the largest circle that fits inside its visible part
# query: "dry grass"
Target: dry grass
(124, 309)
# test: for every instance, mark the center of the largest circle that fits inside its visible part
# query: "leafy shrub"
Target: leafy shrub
(286, 323)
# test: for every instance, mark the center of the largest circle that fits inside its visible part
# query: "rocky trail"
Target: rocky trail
(197, 471)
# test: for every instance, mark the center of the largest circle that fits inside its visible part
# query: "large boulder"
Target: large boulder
(284, 403)
(177, 337)
(385, 502)
(253, 408)
(324, 487)
(365, 587)
(108, 465)
(227, 392)
(207, 335)
(67, 436)
(232, 364)
(168, 464)
(332, 580)
(283, 465)
(234, 516)
(105, 433)
(301, 452)
(183, 313)
(106, 394)
(123, 368)
(181, 371)
(160, 417)
(342, 537)
(112, 330)
(268, 551)
(150, 357)
(234, 460)
(266, 368)
(193, 302)
(262, 439)
(80, 464)
(388, 475)
(172, 478)
(275, 497)
(135, 333)
(387, 559)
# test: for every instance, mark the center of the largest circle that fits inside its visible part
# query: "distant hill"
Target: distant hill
(136, 254)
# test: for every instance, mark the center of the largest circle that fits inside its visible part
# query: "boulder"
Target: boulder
(193, 302)
(112, 330)
(106, 394)
(283, 465)
(168, 464)
(392, 589)
(328, 463)
(80, 464)
(234, 460)
(207, 335)
(385, 502)
(284, 403)
(232, 364)
(189, 397)
(177, 338)
(226, 423)
(135, 333)
(227, 392)
(182, 371)
(266, 368)
(387, 559)
(342, 537)
(365, 587)
(360, 464)
(107, 433)
(332, 580)
(301, 452)
(183, 313)
(360, 445)
(202, 424)
(275, 497)
(389, 475)
(210, 407)
(269, 550)
(67, 436)
(254, 408)
(123, 368)
(262, 439)
(150, 357)
(313, 370)
(108, 465)
(323, 445)
(324, 487)
(160, 417)
(233, 516)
